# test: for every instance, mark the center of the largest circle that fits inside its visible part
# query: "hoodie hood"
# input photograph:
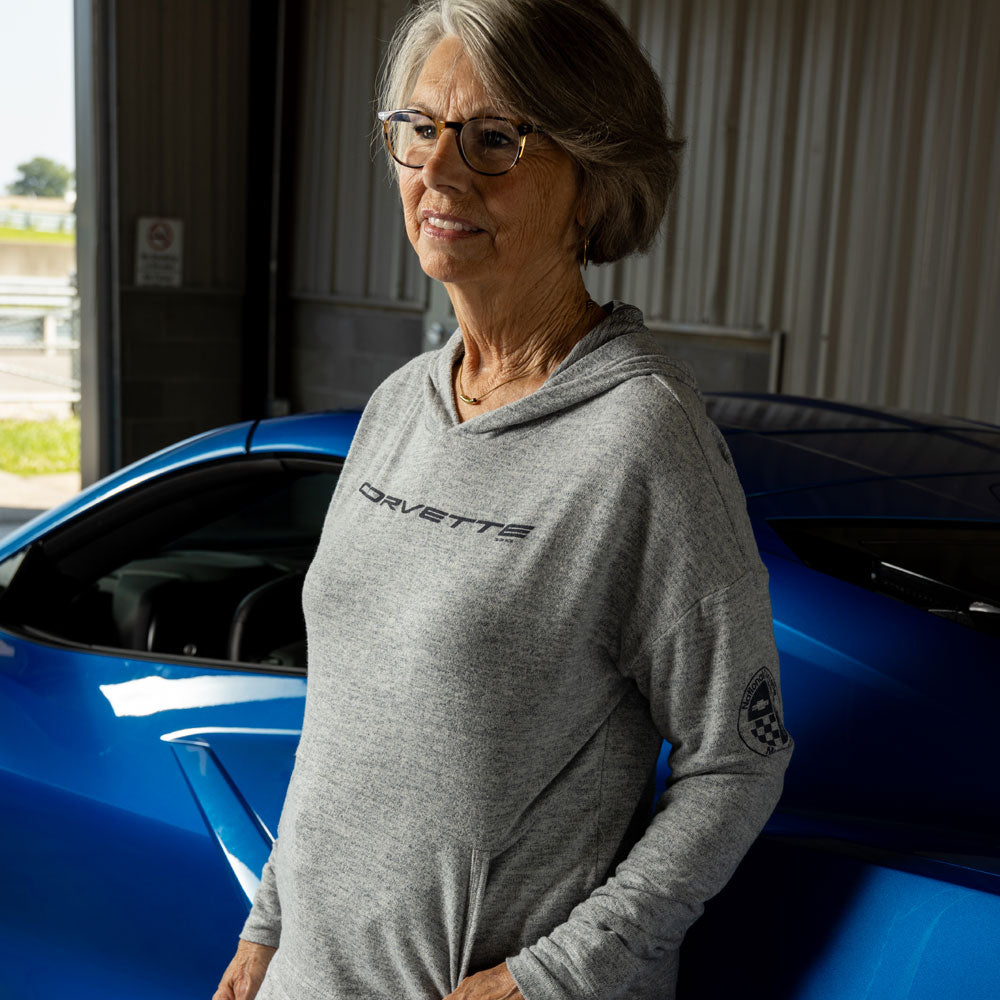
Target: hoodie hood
(617, 349)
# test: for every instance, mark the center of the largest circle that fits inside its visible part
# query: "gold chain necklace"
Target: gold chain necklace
(478, 399)
(475, 400)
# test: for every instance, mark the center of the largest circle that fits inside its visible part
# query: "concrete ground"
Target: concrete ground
(24, 497)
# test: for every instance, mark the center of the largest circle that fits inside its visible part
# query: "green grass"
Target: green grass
(36, 447)
(9, 235)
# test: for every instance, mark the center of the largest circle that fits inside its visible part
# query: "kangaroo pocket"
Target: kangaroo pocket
(479, 872)
(532, 886)
(375, 905)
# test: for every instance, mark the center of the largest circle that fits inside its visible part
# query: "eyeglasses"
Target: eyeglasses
(490, 146)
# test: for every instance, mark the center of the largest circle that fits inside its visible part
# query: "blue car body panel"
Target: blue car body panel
(240, 833)
(142, 793)
(108, 873)
(312, 434)
(801, 920)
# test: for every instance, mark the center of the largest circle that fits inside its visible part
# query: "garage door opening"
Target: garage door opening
(39, 305)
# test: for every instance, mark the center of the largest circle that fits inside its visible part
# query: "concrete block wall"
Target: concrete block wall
(180, 366)
(37, 260)
(341, 353)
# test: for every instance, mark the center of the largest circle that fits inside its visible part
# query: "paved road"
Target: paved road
(24, 497)
(35, 385)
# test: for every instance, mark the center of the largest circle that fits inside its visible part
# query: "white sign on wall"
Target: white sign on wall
(159, 252)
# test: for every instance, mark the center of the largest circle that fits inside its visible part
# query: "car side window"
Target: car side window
(208, 566)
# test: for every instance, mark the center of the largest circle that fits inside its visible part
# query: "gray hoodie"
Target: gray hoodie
(505, 619)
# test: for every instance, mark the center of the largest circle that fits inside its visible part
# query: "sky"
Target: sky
(36, 84)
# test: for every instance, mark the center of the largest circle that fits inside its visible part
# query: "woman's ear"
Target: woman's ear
(582, 213)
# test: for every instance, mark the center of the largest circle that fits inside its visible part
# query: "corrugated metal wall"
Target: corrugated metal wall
(182, 131)
(182, 120)
(353, 248)
(357, 290)
(841, 183)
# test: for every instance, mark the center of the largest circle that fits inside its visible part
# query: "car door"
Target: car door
(152, 678)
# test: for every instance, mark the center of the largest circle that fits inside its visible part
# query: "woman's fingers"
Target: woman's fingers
(245, 972)
(225, 990)
(492, 984)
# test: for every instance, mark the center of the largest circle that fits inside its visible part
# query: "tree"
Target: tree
(43, 178)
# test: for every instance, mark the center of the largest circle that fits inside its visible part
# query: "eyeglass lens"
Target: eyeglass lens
(490, 145)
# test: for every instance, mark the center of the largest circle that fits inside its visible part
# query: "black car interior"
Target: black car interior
(208, 563)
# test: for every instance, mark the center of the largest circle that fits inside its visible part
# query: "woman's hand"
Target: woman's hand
(245, 972)
(491, 984)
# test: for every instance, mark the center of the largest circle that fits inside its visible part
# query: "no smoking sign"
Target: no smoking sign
(159, 258)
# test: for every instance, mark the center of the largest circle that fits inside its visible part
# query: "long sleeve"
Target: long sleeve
(708, 668)
(263, 926)
(707, 679)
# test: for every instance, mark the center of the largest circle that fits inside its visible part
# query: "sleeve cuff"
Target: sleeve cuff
(537, 982)
(257, 933)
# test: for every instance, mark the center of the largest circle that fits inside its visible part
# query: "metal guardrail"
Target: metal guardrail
(37, 311)
(39, 345)
(39, 220)
(44, 293)
(28, 328)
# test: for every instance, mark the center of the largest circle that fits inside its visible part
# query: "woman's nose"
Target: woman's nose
(445, 168)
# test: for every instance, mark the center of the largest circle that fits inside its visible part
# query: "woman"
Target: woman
(536, 565)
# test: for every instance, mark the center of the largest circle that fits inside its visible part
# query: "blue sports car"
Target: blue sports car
(152, 676)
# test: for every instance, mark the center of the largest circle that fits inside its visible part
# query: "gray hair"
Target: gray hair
(573, 69)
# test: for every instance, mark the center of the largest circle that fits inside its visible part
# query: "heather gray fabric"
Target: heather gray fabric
(504, 615)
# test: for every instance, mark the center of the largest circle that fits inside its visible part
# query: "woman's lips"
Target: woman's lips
(448, 227)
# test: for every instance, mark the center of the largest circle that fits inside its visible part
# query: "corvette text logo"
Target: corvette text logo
(480, 525)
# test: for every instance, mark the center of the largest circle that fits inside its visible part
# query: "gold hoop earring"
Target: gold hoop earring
(586, 246)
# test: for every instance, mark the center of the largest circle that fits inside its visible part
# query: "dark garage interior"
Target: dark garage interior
(834, 232)
(550, 643)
